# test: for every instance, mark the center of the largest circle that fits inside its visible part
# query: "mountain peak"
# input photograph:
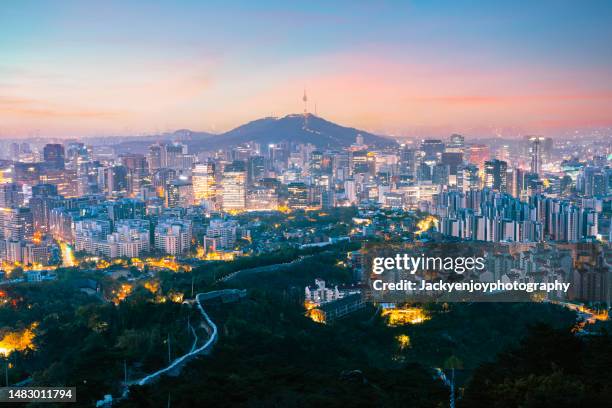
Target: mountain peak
(299, 128)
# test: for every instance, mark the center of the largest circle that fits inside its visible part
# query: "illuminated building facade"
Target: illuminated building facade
(234, 187)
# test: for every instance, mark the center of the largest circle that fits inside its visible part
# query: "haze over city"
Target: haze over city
(75, 69)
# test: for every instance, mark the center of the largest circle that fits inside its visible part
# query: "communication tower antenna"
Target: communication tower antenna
(305, 99)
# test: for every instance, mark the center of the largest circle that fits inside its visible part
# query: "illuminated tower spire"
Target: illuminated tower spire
(305, 99)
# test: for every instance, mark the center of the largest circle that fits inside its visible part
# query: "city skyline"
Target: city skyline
(415, 69)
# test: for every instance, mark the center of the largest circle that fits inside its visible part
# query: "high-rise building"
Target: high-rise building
(203, 179)
(440, 174)
(11, 195)
(479, 153)
(154, 157)
(234, 186)
(15, 223)
(222, 233)
(408, 161)
(261, 199)
(117, 179)
(432, 149)
(125, 209)
(453, 160)
(316, 162)
(160, 180)
(256, 169)
(298, 195)
(53, 155)
(173, 236)
(456, 144)
(535, 152)
(171, 155)
(131, 239)
(44, 198)
(468, 178)
(137, 170)
(179, 193)
(496, 175)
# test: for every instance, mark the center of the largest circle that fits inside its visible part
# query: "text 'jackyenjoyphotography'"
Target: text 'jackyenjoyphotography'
(422, 272)
(471, 286)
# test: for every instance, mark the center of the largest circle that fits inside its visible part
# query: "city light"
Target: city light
(68, 259)
(426, 224)
(399, 316)
(18, 340)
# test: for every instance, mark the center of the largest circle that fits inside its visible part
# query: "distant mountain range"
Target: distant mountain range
(292, 128)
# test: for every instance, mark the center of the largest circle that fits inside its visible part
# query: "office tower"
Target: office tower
(234, 186)
(154, 157)
(316, 162)
(514, 178)
(278, 155)
(117, 179)
(532, 185)
(261, 199)
(495, 175)
(11, 195)
(425, 171)
(593, 181)
(298, 195)
(503, 153)
(453, 160)
(26, 173)
(137, 171)
(53, 155)
(440, 174)
(74, 150)
(160, 180)
(125, 208)
(535, 153)
(408, 161)
(76, 155)
(341, 166)
(468, 178)
(359, 162)
(179, 193)
(173, 236)
(172, 155)
(432, 149)
(479, 153)
(256, 169)
(350, 191)
(203, 179)
(44, 198)
(65, 180)
(553, 185)
(16, 223)
(456, 144)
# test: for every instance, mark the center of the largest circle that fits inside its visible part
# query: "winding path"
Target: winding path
(178, 363)
(213, 335)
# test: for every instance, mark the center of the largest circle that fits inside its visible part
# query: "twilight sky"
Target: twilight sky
(78, 68)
